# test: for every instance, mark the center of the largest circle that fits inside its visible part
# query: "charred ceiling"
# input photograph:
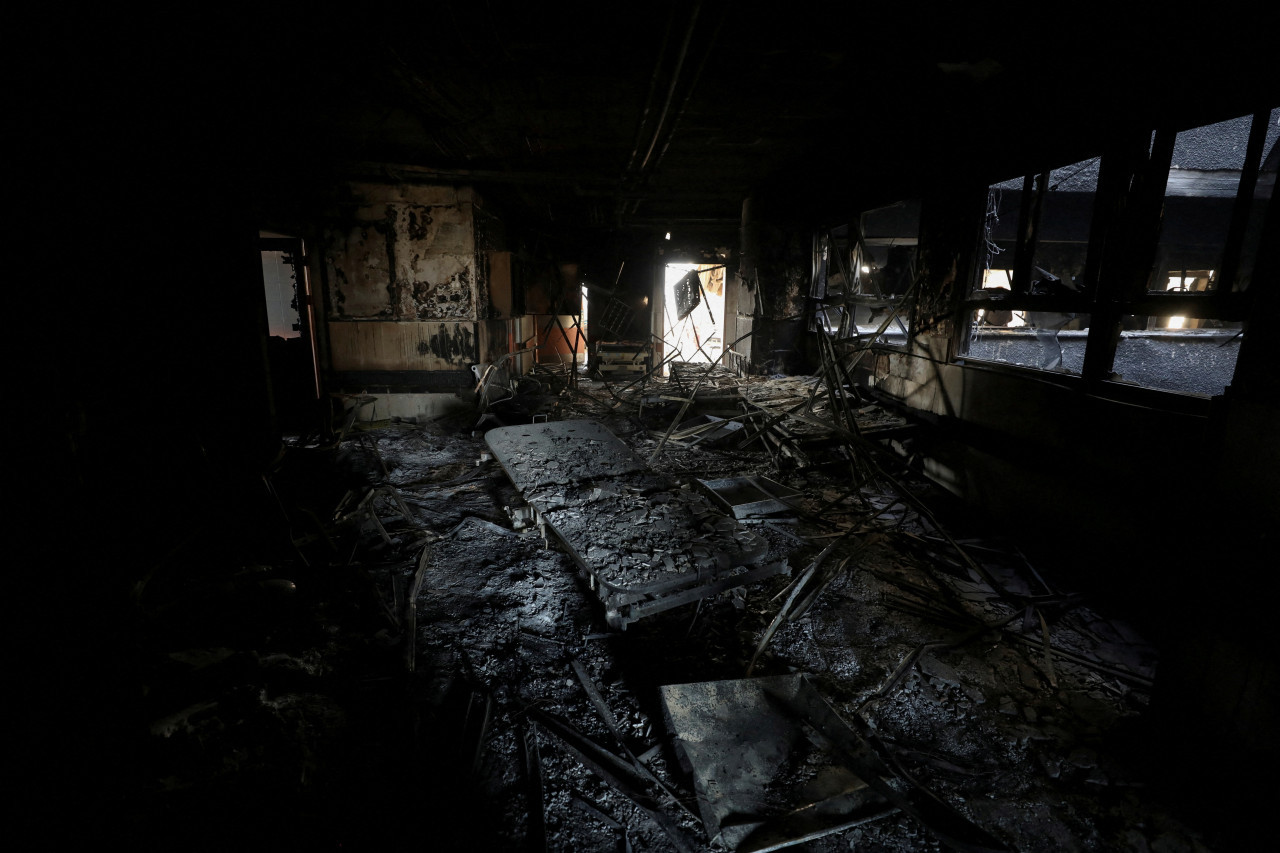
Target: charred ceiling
(584, 120)
(642, 117)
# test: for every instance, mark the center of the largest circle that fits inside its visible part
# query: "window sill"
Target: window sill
(1178, 402)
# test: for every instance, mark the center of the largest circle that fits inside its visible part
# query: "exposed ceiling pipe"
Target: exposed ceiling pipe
(688, 95)
(671, 90)
(653, 87)
(697, 75)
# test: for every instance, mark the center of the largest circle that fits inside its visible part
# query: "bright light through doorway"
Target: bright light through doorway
(698, 337)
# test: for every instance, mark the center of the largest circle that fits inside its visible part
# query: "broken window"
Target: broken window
(1203, 181)
(1184, 332)
(1046, 340)
(1030, 306)
(1176, 353)
(1191, 203)
(863, 275)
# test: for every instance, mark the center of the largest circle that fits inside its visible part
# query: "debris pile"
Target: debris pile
(907, 687)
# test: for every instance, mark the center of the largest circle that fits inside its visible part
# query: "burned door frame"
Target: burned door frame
(662, 330)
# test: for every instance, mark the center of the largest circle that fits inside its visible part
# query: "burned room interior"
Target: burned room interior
(675, 427)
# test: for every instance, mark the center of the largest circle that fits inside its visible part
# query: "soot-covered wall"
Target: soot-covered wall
(406, 287)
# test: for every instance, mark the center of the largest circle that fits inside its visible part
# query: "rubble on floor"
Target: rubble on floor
(421, 672)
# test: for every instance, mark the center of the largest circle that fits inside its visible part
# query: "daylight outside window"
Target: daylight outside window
(1030, 307)
(1220, 177)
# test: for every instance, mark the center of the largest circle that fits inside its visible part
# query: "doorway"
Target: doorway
(291, 352)
(693, 311)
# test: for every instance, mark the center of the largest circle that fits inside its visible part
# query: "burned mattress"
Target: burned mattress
(645, 543)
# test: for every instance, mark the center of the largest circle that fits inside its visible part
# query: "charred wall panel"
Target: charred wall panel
(441, 345)
(358, 268)
(403, 253)
(402, 270)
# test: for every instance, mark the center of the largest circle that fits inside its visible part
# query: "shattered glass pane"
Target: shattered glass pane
(869, 318)
(1041, 339)
(1177, 353)
(1000, 234)
(1061, 233)
(1044, 340)
(1062, 237)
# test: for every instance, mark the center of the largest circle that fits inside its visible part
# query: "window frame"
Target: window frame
(845, 254)
(1122, 247)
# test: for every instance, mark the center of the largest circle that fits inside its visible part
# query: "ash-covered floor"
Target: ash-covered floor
(346, 677)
